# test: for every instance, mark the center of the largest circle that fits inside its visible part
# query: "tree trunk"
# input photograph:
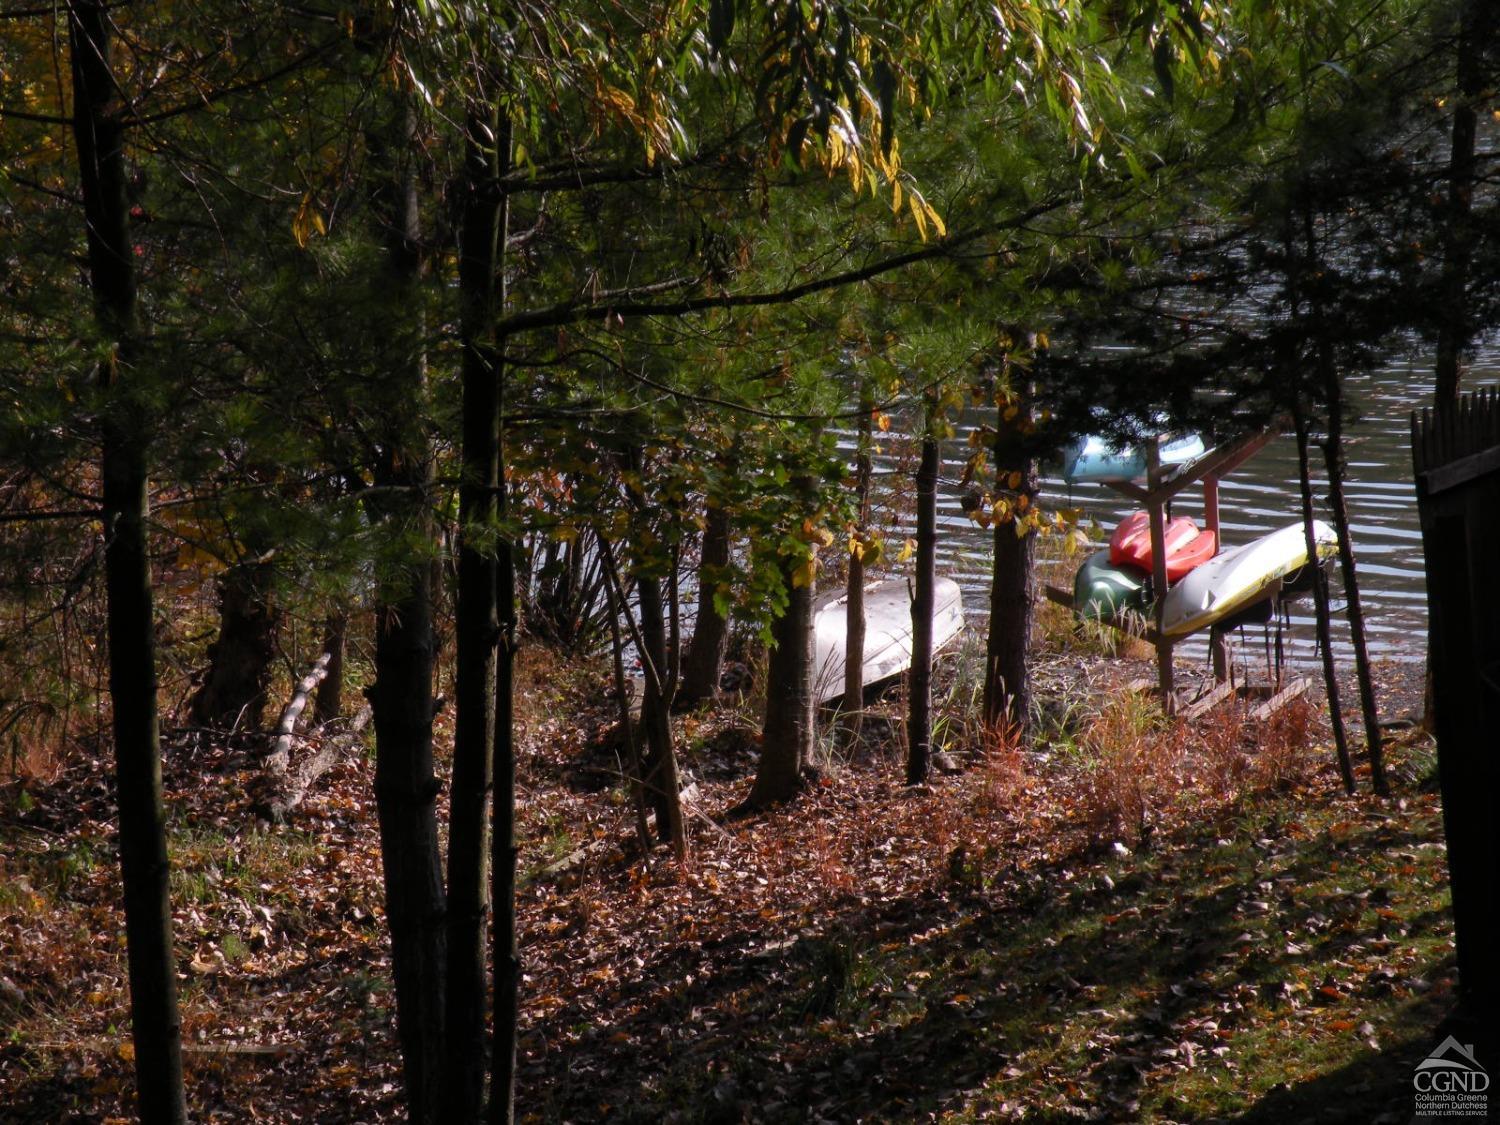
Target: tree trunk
(328, 704)
(481, 260)
(851, 715)
(505, 949)
(1455, 330)
(1333, 454)
(705, 655)
(156, 1029)
(1333, 458)
(234, 693)
(627, 726)
(406, 787)
(1320, 604)
(919, 679)
(787, 733)
(1007, 687)
(663, 782)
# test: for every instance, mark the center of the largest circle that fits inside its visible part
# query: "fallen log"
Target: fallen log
(288, 788)
(284, 788)
(281, 746)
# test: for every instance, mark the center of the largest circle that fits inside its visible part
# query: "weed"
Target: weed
(1003, 776)
(234, 949)
(360, 987)
(72, 867)
(1132, 767)
(1284, 754)
(840, 970)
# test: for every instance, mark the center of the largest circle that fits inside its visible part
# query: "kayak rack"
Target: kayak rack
(1161, 486)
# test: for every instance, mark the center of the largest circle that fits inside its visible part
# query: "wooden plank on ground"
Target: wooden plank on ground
(1207, 702)
(1280, 699)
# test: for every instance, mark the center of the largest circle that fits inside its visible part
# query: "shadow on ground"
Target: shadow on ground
(1164, 987)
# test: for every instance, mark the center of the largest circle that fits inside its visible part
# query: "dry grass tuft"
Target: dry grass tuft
(1002, 773)
(1133, 767)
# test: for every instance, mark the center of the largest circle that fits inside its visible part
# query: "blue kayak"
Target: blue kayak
(1095, 460)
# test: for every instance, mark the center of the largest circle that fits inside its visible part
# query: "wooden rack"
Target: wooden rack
(1160, 489)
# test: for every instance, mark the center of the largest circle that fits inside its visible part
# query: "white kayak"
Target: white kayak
(887, 631)
(1239, 577)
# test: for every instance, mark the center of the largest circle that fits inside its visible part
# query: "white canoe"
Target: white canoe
(1239, 577)
(887, 631)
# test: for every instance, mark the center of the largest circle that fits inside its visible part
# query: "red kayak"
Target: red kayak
(1187, 546)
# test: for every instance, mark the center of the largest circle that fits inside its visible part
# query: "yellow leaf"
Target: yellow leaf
(126, 1051)
(908, 549)
(306, 221)
(804, 574)
(937, 221)
(882, 422)
(918, 208)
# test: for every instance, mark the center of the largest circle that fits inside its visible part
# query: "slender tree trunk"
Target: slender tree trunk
(328, 705)
(787, 733)
(235, 690)
(1007, 687)
(705, 655)
(505, 945)
(1320, 604)
(663, 782)
(1333, 459)
(851, 716)
(1476, 29)
(481, 259)
(1333, 453)
(406, 787)
(156, 1029)
(627, 726)
(919, 679)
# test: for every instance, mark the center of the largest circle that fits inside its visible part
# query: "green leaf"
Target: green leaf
(720, 24)
(885, 93)
(1161, 59)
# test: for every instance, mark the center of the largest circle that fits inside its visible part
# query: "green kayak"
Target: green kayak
(1105, 591)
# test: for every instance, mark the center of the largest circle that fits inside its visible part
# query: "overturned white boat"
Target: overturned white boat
(887, 631)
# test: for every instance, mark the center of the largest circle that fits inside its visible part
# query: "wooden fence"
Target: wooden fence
(1456, 458)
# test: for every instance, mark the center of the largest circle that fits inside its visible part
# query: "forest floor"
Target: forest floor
(1138, 921)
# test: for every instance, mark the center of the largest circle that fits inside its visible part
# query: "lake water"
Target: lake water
(1263, 495)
